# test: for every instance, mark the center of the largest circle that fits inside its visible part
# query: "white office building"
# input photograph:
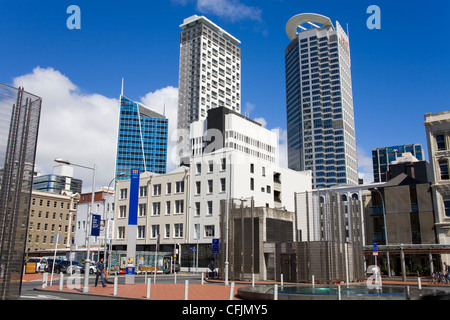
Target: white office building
(229, 173)
(209, 76)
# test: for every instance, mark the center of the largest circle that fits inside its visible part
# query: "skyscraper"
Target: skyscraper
(319, 100)
(142, 139)
(210, 75)
(383, 157)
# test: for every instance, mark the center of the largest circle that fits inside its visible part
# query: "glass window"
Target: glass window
(443, 166)
(440, 141)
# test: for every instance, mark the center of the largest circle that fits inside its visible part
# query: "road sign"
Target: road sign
(215, 245)
(96, 221)
(375, 249)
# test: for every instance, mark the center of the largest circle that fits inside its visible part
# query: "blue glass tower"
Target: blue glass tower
(142, 140)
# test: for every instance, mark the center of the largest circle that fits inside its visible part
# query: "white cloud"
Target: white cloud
(262, 121)
(281, 157)
(230, 9)
(82, 128)
(365, 166)
(166, 101)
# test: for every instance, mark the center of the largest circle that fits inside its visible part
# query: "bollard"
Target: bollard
(44, 280)
(282, 280)
(61, 281)
(232, 291)
(186, 289)
(175, 281)
(203, 277)
(339, 292)
(115, 284)
(149, 283)
(253, 280)
(419, 283)
(313, 284)
(275, 292)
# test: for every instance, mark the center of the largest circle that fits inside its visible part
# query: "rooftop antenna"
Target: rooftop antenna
(121, 91)
(164, 111)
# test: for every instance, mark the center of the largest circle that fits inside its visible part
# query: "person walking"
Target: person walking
(100, 273)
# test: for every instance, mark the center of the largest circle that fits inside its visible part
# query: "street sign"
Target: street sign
(375, 249)
(96, 221)
(215, 245)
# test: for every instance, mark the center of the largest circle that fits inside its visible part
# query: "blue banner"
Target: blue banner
(96, 221)
(134, 197)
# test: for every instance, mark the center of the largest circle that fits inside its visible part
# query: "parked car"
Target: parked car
(49, 266)
(175, 267)
(41, 263)
(65, 267)
(92, 268)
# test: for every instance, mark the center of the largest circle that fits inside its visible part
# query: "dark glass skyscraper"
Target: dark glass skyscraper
(142, 139)
(319, 100)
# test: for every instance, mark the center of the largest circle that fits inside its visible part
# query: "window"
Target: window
(224, 164)
(222, 185)
(167, 231)
(443, 166)
(210, 186)
(440, 142)
(143, 191)
(155, 231)
(263, 171)
(179, 206)
(156, 209)
(121, 232)
(123, 194)
(197, 187)
(199, 168)
(252, 168)
(167, 207)
(210, 207)
(447, 206)
(178, 230)
(169, 188)
(209, 231)
(141, 232)
(122, 211)
(142, 210)
(252, 184)
(210, 166)
(179, 188)
(157, 190)
(197, 208)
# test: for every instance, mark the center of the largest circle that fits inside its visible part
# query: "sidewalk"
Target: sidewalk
(211, 290)
(159, 291)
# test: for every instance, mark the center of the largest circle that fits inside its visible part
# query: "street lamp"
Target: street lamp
(88, 245)
(385, 232)
(120, 175)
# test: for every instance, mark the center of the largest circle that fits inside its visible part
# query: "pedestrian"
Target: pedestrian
(446, 270)
(100, 273)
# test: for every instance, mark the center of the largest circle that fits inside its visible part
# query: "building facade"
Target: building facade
(162, 216)
(51, 214)
(383, 157)
(103, 206)
(437, 127)
(209, 77)
(142, 139)
(319, 100)
(61, 179)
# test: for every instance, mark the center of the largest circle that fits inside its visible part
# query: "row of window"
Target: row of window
(157, 189)
(55, 203)
(176, 230)
(178, 208)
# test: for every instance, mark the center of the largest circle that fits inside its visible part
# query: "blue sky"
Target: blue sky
(400, 72)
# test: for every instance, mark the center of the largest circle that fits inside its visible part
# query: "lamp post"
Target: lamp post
(385, 232)
(88, 246)
(120, 175)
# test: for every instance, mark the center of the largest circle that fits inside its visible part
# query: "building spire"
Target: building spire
(121, 91)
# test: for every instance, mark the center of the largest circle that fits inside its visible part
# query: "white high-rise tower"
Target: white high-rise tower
(210, 75)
